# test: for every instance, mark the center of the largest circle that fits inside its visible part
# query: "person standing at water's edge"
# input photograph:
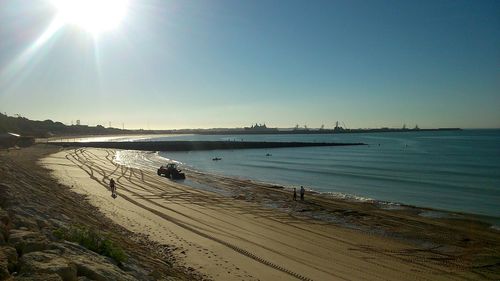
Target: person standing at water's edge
(302, 191)
(294, 194)
(112, 186)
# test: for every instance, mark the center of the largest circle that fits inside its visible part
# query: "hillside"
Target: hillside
(26, 127)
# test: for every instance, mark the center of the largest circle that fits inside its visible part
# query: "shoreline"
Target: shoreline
(426, 211)
(385, 207)
(423, 211)
(444, 241)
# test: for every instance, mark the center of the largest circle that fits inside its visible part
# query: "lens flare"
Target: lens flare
(95, 16)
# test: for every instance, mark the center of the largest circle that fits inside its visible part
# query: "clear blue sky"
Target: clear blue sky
(231, 63)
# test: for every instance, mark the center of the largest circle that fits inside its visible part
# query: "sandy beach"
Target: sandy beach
(249, 140)
(228, 238)
(34, 205)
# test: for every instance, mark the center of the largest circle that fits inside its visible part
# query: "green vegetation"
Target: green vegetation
(92, 240)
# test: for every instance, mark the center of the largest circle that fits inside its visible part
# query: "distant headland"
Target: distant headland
(44, 129)
(263, 129)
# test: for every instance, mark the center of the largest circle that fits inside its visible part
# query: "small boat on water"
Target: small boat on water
(216, 159)
(269, 154)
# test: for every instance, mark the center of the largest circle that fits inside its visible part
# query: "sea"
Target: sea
(456, 171)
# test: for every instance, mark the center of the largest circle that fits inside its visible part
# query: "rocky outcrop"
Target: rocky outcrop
(27, 241)
(4, 226)
(8, 261)
(90, 264)
(34, 206)
(28, 254)
(40, 277)
(47, 262)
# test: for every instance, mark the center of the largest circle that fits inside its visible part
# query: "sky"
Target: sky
(233, 63)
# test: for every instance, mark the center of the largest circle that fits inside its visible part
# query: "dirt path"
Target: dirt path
(230, 239)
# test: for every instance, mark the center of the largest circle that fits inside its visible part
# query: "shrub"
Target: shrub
(92, 240)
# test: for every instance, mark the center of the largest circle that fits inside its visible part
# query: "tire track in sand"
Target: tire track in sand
(131, 174)
(194, 230)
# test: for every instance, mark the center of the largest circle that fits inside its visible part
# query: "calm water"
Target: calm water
(454, 171)
(457, 171)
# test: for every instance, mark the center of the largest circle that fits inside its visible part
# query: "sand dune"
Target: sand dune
(229, 239)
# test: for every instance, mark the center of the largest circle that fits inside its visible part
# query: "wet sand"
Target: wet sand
(239, 238)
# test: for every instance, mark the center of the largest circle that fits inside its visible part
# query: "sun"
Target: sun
(95, 16)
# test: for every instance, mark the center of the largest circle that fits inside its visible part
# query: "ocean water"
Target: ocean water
(448, 170)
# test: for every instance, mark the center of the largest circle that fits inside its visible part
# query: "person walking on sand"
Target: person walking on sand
(112, 186)
(294, 194)
(302, 191)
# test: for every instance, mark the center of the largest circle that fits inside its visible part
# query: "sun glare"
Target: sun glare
(95, 16)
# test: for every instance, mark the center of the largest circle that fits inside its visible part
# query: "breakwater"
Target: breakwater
(196, 145)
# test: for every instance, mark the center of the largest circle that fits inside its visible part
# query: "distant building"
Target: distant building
(337, 128)
(259, 128)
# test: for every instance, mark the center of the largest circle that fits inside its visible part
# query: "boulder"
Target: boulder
(90, 264)
(4, 226)
(2, 237)
(4, 269)
(47, 263)
(4, 217)
(100, 271)
(27, 241)
(8, 261)
(25, 220)
(42, 223)
(40, 277)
